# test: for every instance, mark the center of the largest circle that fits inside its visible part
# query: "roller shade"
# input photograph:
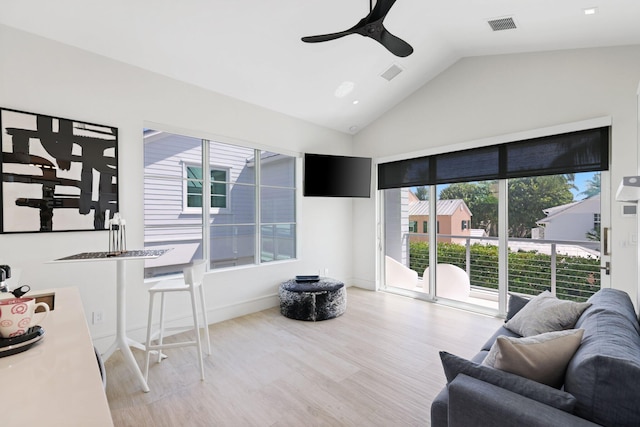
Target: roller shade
(574, 152)
(477, 164)
(583, 151)
(404, 173)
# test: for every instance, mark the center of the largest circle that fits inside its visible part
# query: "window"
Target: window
(596, 221)
(566, 261)
(413, 226)
(425, 227)
(513, 190)
(251, 217)
(277, 207)
(194, 187)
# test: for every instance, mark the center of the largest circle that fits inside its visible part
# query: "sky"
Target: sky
(582, 184)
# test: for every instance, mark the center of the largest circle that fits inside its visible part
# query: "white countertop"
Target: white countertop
(57, 381)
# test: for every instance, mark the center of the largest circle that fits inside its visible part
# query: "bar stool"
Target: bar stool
(193, 278)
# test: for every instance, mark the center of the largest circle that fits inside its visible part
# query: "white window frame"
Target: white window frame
(193, 210)
(180, 174)
(503, 203)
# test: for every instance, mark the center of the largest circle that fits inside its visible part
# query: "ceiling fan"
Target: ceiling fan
(371, 26)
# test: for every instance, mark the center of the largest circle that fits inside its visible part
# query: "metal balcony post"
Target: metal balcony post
(468, 256)
(407, 251)
(553, 268)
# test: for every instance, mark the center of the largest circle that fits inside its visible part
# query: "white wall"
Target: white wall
(45, 77)
(485, 97)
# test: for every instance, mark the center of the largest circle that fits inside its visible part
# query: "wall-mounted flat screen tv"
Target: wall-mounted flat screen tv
(336, 176)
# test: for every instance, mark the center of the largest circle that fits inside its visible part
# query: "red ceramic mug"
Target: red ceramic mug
(17, 315)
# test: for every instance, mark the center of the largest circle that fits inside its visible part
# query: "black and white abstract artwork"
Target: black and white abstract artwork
(57, 174)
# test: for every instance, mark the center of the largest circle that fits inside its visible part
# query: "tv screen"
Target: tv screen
(336, 176)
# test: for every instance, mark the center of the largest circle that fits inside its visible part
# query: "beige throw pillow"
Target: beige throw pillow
(546, 313)
(542, 358)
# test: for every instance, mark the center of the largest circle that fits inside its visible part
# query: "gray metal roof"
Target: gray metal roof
(443, 207)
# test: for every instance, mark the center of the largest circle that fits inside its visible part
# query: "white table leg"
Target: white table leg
(128, 357)
(122, 341)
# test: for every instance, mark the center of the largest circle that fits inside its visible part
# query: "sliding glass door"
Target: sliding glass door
(552, 228)
(469, 227)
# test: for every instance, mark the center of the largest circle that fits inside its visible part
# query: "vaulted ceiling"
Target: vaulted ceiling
(252, 49)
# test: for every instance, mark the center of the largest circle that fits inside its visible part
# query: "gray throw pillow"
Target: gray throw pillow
(516, 302)
(454, 365)
(546, 313)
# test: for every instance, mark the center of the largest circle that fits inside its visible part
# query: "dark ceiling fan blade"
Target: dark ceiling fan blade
(380, 10)
(371, 26)
(394, 44)
(379, 33)
(326, 37)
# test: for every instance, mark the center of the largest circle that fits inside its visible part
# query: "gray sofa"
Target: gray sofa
(601, 382)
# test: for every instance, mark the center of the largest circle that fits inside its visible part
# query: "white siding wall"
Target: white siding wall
(569, 227)
(164, 163)
(169, 224)
(165, 156)
(573, 224)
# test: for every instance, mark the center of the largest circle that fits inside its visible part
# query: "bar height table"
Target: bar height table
(122, 341)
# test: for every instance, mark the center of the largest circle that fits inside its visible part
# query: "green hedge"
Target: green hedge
(577, 278)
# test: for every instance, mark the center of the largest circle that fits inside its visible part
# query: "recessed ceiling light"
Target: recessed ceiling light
(353, 128)
(591, 11)
(344, 89)
(355, 102)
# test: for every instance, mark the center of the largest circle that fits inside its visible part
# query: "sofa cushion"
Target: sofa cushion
(542, 358)
(604, 374)
(475, 403)
(612, 302)
(546, 313)
(480, 356)
(454, 365)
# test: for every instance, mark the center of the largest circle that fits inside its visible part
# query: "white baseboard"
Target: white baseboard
(363, 283)
(214, 315)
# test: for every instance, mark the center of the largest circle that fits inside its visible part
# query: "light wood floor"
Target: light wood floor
(376, 365)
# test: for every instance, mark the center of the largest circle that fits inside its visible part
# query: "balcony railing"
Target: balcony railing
(569, 269)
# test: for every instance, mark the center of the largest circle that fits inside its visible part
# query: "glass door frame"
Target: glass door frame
(502, 221)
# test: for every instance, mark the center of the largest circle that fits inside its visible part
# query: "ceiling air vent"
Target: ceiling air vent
(391, 72)
(502, 24)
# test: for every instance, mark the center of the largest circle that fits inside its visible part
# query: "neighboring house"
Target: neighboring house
(453, 219)
(173, 203)
(571, 221)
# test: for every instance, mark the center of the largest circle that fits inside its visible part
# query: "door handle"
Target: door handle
(606, 267)
(605, 243)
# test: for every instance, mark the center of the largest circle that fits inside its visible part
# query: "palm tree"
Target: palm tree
(593, 235)
(593, 188)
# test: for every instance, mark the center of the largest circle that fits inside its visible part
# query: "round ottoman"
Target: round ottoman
(321, 300)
